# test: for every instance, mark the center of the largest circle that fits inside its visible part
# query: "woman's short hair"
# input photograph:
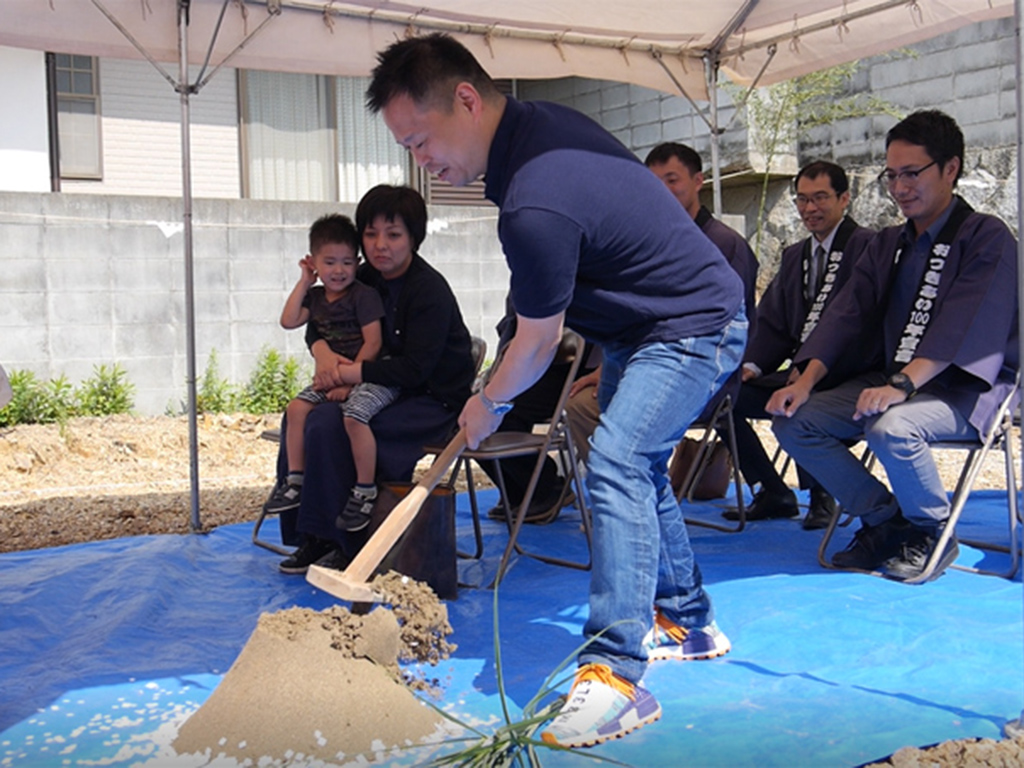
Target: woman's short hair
(391, 202)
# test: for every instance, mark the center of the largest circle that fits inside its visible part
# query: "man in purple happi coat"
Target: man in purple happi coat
(811, 272)
(938, 299)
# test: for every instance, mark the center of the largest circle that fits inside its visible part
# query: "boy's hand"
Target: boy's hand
(338, 394)
(308, 270)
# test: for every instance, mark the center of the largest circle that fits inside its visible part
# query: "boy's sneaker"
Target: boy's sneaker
(670, 641)
(285, 496)
(601, 706)
(356, 514)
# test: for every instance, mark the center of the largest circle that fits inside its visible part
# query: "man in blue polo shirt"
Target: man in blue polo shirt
(594, 241)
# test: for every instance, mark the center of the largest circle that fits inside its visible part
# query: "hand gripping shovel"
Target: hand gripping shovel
(351, 584)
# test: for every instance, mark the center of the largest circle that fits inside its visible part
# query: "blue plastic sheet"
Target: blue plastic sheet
(106, 647)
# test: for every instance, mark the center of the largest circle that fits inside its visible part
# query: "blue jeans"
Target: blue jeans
(814, 437)
(648, 395)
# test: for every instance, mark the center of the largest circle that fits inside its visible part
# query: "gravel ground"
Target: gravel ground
(104, 478)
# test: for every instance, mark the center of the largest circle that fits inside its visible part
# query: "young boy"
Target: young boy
(347, 315)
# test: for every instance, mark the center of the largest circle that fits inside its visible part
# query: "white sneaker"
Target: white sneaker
(601, 706)
(670, 641)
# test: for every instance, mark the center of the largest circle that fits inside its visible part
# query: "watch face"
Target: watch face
(901, 381)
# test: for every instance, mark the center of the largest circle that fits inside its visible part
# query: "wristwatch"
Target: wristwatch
(902, 382)
(496, 409)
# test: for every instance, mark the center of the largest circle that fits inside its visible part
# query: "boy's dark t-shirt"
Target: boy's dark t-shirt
(340, 322)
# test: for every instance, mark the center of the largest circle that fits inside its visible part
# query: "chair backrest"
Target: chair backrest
(571, 351)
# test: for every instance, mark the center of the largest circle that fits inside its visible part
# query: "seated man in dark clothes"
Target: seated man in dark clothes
(937, 297)
(811, 272)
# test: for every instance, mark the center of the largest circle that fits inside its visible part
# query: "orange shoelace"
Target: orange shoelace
(674, 631)
(603, 674)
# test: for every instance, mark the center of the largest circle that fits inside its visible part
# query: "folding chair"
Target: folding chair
(555, 438)
(274, 436)
(1000, 437)
(478, 351)
(720, 424)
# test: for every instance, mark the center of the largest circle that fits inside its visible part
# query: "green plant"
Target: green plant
(272, 384)
(780, 114)
(107, 392)
(215, 394)
(34, 401)
(515, 742)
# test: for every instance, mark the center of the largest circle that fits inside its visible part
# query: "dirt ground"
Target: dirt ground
(103, 478)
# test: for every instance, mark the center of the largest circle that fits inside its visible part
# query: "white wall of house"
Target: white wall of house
(24, 153)
(141, 134)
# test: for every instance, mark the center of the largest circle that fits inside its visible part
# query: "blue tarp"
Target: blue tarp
(106, 647)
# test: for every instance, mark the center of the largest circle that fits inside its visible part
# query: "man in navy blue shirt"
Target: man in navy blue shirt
(594, 241)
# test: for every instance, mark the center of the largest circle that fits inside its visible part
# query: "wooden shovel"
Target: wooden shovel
(351, 584)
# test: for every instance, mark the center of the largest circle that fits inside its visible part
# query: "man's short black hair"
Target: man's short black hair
(662, 153)
(836, 175)
(936, 132)
(333, 229)
(426, 69)
(391, 202)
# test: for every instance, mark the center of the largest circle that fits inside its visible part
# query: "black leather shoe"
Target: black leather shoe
(909, 563)
(768, 505)
(303, 557)
(821, 511)
(873, 545)
(335, 559)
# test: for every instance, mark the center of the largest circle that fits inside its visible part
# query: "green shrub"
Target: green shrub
(37, 402)
(273, 383)
(215, 394)
(107, 392)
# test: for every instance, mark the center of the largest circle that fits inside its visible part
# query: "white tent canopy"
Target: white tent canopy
(661, 44)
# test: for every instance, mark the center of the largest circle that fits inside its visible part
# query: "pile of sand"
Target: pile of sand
(325, 686)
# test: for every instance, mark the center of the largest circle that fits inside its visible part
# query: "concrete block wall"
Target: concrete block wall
(96, 279)
(642, 118)
(969, 74)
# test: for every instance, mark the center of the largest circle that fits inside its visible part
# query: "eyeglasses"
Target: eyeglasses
(818, 198)
(889, 178)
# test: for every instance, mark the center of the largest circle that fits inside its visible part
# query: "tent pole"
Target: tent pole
(1015, 728)
(184, 89)
(711, 71)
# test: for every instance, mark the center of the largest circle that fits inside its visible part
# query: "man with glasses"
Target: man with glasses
(810, 273)
(936, 298)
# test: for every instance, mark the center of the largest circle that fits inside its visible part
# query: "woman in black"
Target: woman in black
(427, 354)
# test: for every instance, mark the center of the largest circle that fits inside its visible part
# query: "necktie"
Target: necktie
(815, 272)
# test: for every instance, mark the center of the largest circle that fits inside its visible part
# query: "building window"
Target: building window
(308, 137)
(78, 116)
